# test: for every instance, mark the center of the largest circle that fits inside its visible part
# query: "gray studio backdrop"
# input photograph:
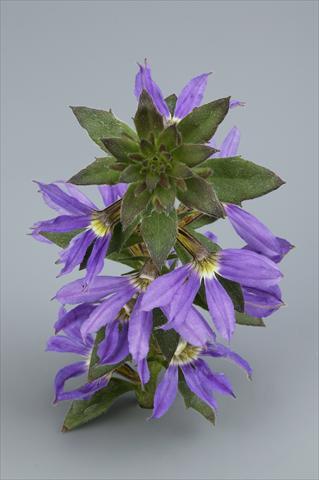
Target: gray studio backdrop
(60, 53)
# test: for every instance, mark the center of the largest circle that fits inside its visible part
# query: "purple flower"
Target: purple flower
(257, 236)
(189, 98)
(128, 327)
(76, 211)
(175, 291)
(201, 380)
(73, 342)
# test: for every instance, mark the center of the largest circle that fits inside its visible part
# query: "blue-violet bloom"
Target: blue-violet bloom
(76, 211)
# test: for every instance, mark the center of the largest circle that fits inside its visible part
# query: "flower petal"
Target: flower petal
(75, 252)
(248, 268)
(63, 223)
(74, 370)
(220, 307)
(114, 348)
(218, 350)
(183, 298)
(211, 236)
(236, 103)
(191, 96)
(140, 329)
(111, 193)
(57, 199)
(217, 381)
(198, 386)
(106, 312)
(143, 371)
(260, 303)
(229, 147)
(78, 195)
(144, 81)
(96, 260)
(71, 321)
(258, 237)
(166, 392)
(193, 330)
(161, 291)
(63, 344)
(78, 292)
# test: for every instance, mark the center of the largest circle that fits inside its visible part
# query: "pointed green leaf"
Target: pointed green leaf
(244, 319)
(83, 411)
(60, 239)
(164, 198)
(147, 119)
(159, 234)
(132, 173)
(151, 181)
(166, 339)
(121, 147)
(201, 124)
(201, 196)
(133, 205)
(99, 172)
(170, 137)
(171, 103)
(192, 155)
(192, 401)
(235, 179)
(145, 395)
(100, 124)
(180, 170)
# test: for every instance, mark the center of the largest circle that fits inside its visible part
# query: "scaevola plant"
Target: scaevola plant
(159, 328)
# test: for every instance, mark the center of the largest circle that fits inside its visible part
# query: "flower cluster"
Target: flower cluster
(145, 331)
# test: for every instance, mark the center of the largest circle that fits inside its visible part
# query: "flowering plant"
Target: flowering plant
(145, 331)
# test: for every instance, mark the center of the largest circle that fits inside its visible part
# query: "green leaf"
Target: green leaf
(192, 155)
(201, 124)
(61, 239)
(180, 170)
(147, 119)
(100, 124)
(132, 173)
(171, 103)
(145, 396)
(159, 234)
(201, 196)
(126, 259)
(192, 401)
(133, 205)
(121, 147)
(170, 137)
(164, 198)
(244, 319)
(83, 411)
(166, 339)
(211, 246)
(235, 179)
(201, 221)
(234, 291)
(182, 253)
(99, 172)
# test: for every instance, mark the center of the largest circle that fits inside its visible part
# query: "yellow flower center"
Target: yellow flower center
(100, 223)
(207, 266)
(185, 353)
